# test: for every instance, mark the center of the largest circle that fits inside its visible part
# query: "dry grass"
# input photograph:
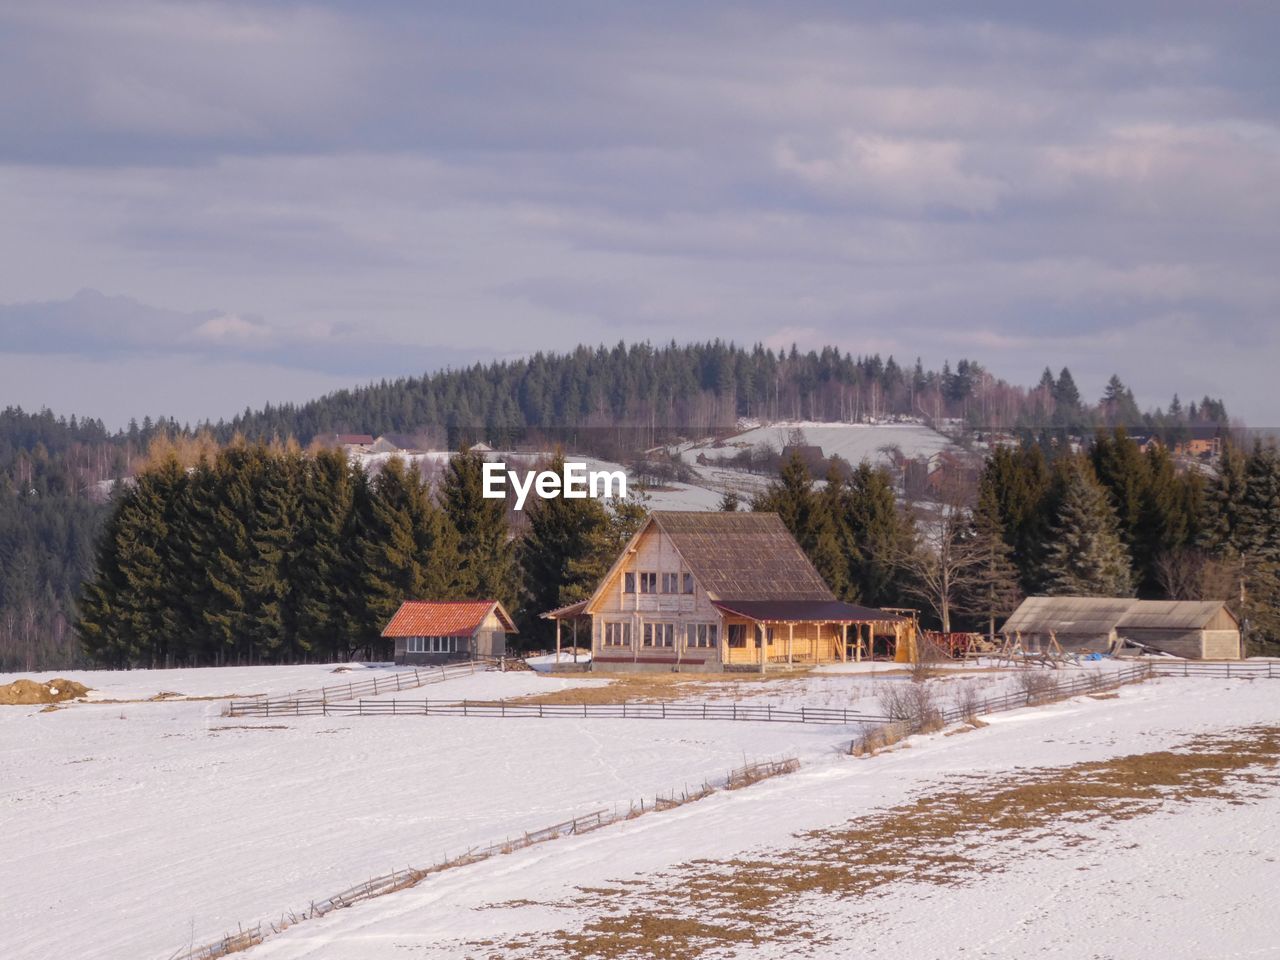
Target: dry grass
(654, 687)
(25, 692)
(949, 836)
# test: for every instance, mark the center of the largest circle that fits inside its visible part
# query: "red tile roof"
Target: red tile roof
(425, 618)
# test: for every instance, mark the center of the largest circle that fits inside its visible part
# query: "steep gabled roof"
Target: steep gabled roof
(426, 618)
(742, 556)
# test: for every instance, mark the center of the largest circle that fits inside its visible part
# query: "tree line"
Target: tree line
(265, 554)
(1110, 520)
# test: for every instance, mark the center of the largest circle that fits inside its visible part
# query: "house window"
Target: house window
(737, 635)
(687, 586)
(700, 635)
(671, 583)
(617, 634)
(434, 644)
(659, 634)
(629, 582)
(648, 583)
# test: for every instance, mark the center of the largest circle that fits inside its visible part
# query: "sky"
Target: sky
(208, 206)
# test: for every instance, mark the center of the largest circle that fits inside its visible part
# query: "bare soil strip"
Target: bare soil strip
(968, 827)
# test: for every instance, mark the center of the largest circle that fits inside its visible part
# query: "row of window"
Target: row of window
(435, 645)
(655, 633)
(649, 582)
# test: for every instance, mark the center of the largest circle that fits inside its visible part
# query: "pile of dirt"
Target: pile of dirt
(26, 691)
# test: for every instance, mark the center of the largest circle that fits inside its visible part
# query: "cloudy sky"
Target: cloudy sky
(205, 206)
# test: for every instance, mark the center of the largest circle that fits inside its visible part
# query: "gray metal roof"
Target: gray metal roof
(1101, 615)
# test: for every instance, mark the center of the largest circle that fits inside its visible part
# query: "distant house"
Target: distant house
(350, 442)
(445, 632)
(1196, 629)
(393, 443)
(702, 591)
(481, 447)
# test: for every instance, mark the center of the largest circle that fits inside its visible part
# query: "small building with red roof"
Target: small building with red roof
(429, 631)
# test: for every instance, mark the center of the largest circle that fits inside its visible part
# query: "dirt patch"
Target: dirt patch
(24, 691)
(655, 687)
(952, 835)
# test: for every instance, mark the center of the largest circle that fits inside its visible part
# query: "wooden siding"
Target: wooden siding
(654, 553)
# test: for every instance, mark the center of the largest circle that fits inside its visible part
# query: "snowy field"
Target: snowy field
(854, 442)
(141, 827)
(1173, 883)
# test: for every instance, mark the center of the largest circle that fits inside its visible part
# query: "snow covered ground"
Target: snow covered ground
(138, 828)
(854, 442)
(1170, 884)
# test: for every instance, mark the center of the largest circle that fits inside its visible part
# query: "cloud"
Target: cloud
(372, 189)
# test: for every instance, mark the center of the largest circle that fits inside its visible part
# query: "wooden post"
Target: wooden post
(791, 640)
(764, 639)
(844, 643)
(557, 639)
(575, 639)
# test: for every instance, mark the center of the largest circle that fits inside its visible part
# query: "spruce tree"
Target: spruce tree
(994, 591)
(1086, 556)
(566, 550)
(324, 581)
(879, 533)
(486, 553)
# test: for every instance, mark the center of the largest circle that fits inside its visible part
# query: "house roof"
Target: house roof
(360, 439)
(742, 556)
(806, 611)
(1101, 615)
(428, 618)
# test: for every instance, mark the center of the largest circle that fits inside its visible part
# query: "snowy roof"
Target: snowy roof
(423, 618)
(1101, 615)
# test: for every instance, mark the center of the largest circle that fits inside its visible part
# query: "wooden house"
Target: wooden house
(447, 632)
(702, 591)
(1196, 629)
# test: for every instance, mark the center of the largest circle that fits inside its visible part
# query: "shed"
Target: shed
(1197, 629)
(446, 632)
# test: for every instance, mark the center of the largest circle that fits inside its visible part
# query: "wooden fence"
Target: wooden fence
(244, 938)
(339, 692)
(662, 710)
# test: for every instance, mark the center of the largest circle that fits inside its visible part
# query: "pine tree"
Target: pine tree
(791, 498)
(486, 553)
(878, 534)
(994, 591)
(729, 502)
(323, 571)
(272, 602)
(567, 549)
(1086, 556)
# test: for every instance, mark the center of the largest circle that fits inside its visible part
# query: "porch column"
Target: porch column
(791, 640)
(764, 640)
(557, 639)
(857, 650)
(575, 640)
(844, 643)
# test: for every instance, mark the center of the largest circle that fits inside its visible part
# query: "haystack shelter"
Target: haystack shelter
(448, 632)
(1195, 629)
(704, 591)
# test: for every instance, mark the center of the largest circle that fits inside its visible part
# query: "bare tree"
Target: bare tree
(1188, 573)
(942, 565)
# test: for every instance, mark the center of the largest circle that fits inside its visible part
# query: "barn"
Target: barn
(448, 632)
(704, 591)
(1195, 629)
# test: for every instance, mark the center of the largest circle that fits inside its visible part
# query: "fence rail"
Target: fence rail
(246, 937)
(339, 692)
(1092, 683)
(1161, 667)
(662, 710)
